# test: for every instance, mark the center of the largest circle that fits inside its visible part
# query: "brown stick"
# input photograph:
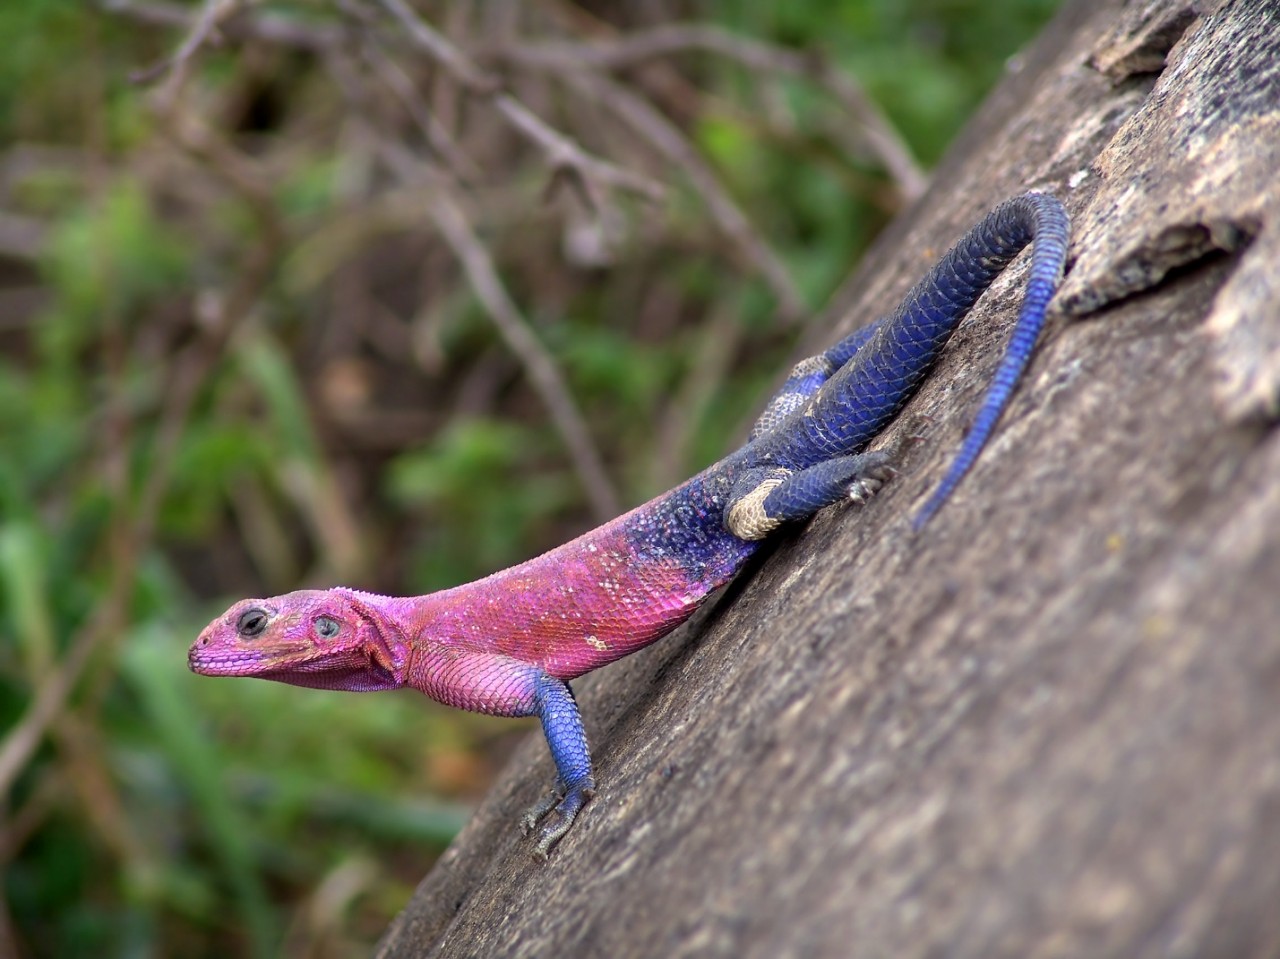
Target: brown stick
(655, 128)
(562, 152)
(272, 28)
(635, 48)
(450, 219)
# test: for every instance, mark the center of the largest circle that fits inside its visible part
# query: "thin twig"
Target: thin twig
(21, 237)
(454, 226)
(204, 29)
(21, 824)
(655, 128)
(562, 152)
(21, 742)
(188, 374)
(433, 43)
(269, 27)
(718, 339)
(641, 46)
(389, 72)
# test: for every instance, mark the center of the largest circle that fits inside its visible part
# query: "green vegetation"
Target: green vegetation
(237, 358)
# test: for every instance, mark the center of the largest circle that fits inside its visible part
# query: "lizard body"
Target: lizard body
(509, 643)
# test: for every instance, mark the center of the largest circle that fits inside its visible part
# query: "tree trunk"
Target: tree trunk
(1049, 725)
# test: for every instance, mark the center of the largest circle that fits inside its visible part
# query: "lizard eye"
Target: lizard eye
(327, 627)
(252, 623)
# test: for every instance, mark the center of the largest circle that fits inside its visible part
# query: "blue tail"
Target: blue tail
(886, 364)
(1050, 231)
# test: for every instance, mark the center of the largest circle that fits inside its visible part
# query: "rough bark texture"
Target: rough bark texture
(1048, 725)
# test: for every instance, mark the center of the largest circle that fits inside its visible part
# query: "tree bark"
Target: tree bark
(1048, 724)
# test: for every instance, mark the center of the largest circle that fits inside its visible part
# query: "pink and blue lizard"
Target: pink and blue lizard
(510, 643)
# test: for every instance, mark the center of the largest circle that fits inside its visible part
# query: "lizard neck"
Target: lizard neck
(389, 618)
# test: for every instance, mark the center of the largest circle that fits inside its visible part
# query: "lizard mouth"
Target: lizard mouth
(368, 677)
(209, 656)
(340, 671)
(236, 663)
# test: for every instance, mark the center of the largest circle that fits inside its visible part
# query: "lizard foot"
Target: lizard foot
(560, 807)
(866, 486)
(881, 465)
(874, 471)
(539, 809)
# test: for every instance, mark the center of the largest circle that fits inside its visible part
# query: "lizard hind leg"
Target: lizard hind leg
(807, 377)
(881, 373)
(766, 497)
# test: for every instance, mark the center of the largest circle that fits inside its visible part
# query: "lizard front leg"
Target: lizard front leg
(766, 497)
(567, 740)
(502, 685)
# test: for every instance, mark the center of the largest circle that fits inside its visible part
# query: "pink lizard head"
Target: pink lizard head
(325, 639)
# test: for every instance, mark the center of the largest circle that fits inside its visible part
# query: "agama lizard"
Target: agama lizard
(510, 643)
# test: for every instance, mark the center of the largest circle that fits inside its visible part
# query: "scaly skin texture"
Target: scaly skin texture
(508, 644)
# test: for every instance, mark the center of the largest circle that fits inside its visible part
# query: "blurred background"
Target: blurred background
(390, 294)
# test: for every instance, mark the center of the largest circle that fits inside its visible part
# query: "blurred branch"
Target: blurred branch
(188, 376)
(21, 742)
(204, 30)
(21, 237)
(455, 227)
(579, 64)
(437, 137)
(18, 826)
(682, 417)
(270, 27)
(563, 154)
(650, 124)
(638, 47)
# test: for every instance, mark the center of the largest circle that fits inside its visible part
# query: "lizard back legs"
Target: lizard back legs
(807, 377)
(881, 372)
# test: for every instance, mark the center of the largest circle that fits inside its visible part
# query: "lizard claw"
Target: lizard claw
(539, 809)
(872, 480)
(861, 491)
(563, 807)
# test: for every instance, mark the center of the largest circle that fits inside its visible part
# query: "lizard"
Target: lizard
(510, 643)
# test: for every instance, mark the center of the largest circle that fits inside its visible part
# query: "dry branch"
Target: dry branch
(204, 30)
(268, 27)
(450, 219)
(649, 123)
(562, 152)
(632, 49)
(584, 68)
